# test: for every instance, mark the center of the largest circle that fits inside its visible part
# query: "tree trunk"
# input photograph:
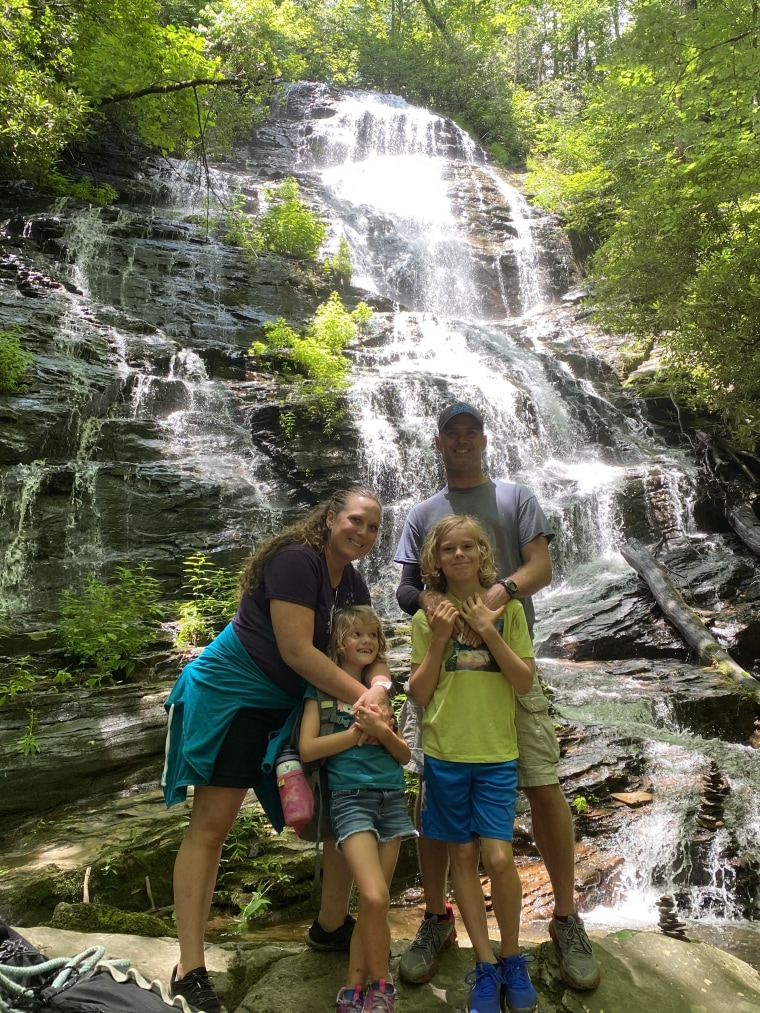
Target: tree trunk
(676, 611)
(745, 523)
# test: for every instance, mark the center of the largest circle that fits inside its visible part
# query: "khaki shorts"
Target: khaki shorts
(536, 741)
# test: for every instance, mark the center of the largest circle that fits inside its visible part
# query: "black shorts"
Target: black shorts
(238, 762)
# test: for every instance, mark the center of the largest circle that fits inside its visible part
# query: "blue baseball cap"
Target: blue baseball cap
(460, 408)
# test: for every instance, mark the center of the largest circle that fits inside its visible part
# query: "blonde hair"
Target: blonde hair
(430, 565)
(344, 620)
(310, 530)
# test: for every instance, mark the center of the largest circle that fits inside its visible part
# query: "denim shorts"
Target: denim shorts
(384, 813)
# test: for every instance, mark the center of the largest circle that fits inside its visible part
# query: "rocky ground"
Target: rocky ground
(640, 970)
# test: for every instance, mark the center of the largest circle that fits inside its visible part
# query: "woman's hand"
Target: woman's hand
(374, 699)
(370, 723)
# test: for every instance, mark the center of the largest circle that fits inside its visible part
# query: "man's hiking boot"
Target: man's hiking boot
(576, 959)
(196, 989)
(419, 961)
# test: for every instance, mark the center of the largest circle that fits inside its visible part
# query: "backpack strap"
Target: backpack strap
(315, 772)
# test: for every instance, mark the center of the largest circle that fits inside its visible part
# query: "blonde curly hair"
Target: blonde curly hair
(344, 620)
(430, 566)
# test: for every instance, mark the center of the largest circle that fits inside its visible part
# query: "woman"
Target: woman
(245, 686)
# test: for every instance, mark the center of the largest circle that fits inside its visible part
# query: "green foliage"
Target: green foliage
(287, 226)
(321, 370)
(14, 361)
(28, 743)
(81, 189)
(339, 265)
(21, 680)
(247, 828)
(580, 804)
(660, 164)
(212, 603)
(110, 621)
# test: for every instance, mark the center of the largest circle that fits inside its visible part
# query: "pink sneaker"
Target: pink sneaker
(380, 997)
(349, 1000)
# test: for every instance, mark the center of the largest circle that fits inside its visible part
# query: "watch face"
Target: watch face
(511, 587)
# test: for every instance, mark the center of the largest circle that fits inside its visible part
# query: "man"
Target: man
(520, 534)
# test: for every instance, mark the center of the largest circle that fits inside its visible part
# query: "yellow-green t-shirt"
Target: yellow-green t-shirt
(471, 715)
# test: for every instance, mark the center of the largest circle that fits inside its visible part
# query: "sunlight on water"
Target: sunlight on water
(411, 187)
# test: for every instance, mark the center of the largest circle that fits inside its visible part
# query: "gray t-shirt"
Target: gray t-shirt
(510, 514)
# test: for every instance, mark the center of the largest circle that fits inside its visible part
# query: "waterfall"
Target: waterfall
(409, 195)
(163, 439)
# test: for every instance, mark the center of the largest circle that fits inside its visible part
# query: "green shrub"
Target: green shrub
(110, 621)
(213, 600)
(81, 189)
(14, 361)
(339, 265)
(288, 226)
(321, 367)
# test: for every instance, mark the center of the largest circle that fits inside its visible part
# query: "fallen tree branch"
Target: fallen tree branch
(676, 611)
(745, 523)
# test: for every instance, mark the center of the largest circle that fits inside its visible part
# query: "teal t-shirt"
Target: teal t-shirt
(360, 766)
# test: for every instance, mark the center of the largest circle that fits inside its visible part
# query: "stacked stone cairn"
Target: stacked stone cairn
(714, 791)
(669, 923)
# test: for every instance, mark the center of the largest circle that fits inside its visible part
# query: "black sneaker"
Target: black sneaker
(337, 941)
(197, 991)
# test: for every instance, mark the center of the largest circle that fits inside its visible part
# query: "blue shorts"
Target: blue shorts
(384, 813)
(461, 801)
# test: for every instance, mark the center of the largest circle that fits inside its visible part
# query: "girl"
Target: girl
(469, 741)
(368, 806)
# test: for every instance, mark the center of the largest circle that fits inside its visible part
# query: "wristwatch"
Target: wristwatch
(387, 685)
(510, 587)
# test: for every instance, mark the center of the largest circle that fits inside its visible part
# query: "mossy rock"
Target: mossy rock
(102, 918)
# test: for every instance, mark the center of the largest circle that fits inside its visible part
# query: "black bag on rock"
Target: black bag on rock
(30, 983)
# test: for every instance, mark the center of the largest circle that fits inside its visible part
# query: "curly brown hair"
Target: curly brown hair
(310, 530)
(344, 621)
(429, 564)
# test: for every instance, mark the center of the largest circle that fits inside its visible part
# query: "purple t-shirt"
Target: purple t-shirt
(298, 574)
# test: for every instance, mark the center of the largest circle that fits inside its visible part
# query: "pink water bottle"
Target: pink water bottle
(295, 794)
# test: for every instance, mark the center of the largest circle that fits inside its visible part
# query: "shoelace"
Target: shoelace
(515, 974)
(487, 982)
(200, 988)
(382, 1002)
(425, 935)
(575, 939)
(353, 1005)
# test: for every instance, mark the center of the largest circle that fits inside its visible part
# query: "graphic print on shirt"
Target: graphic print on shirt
(473, 659)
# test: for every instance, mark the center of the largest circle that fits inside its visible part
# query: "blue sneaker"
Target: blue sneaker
(485, 985)
(517, 989)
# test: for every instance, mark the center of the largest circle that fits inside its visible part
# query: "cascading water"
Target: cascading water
(171, 453)
(395, 172)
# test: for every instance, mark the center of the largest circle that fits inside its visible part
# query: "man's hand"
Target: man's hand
(478, 615)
